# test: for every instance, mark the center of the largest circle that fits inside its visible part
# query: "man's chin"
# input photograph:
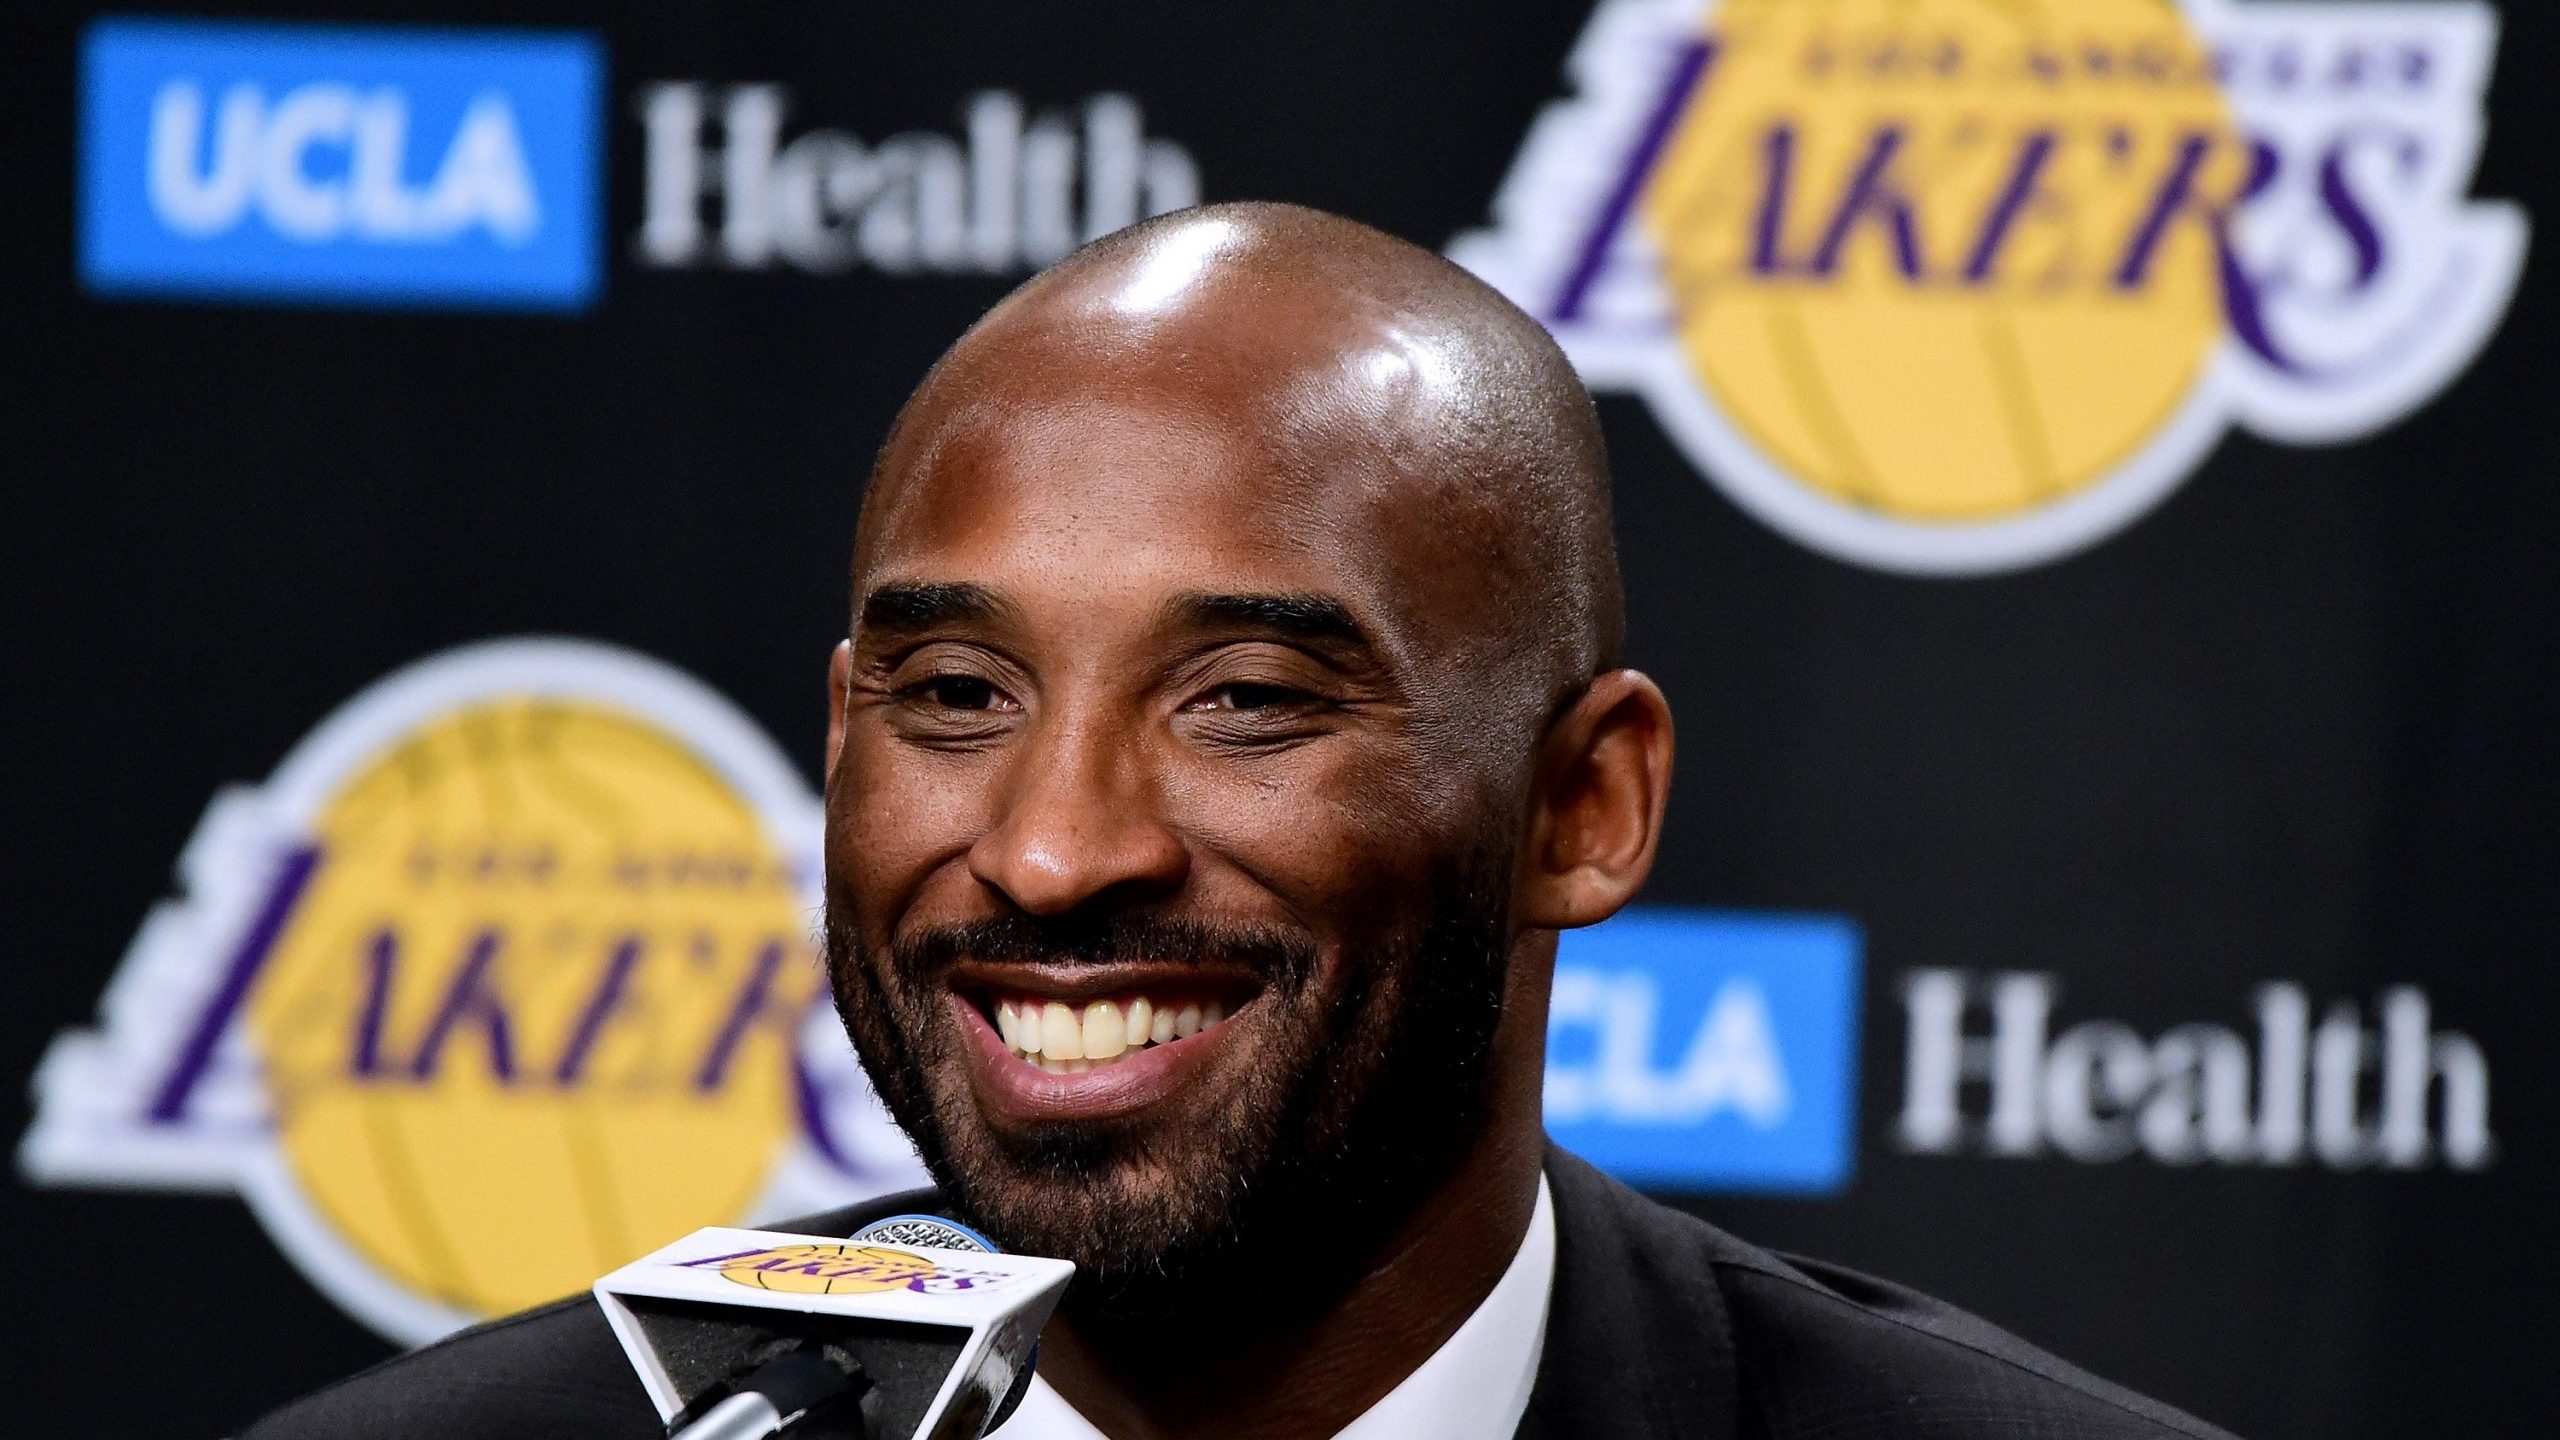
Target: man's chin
(1098, 1193)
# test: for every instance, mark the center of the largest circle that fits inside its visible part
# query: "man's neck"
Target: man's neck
(1244, 1379)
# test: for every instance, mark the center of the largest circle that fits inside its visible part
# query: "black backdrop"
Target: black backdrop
(2294, 726)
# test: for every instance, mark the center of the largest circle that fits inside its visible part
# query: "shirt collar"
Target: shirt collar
(1477, 1383)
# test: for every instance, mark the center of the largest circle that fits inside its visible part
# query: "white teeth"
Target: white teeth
(1069, 1040)
(1104, 1034)
(1061, 1038)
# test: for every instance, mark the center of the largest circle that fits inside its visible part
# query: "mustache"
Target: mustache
(1283, 958)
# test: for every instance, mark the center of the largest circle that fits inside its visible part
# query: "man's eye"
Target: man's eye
(956, 692)
(1249, 697)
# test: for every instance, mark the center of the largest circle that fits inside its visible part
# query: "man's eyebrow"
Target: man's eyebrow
(905, 606)
(1315, 618)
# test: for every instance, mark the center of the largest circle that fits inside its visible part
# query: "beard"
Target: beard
(1343, 1116)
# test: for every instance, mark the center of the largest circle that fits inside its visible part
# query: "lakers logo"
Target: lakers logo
(817, 1267)
(504, 979)
(828, 1269)
(1950, 286)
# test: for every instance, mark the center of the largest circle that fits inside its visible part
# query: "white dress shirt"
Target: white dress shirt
(1475, 1385)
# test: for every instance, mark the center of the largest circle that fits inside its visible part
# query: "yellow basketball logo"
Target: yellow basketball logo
(533, 1012)
(1953, 286)
(503, 979)
(830, 1269)
(1902, 266)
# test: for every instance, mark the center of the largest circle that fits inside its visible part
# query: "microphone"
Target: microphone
(914, 1329)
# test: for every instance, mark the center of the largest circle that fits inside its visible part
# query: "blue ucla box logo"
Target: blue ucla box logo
(1708, 1050)
(340, 164)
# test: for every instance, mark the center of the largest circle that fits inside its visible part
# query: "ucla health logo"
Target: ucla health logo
(503, 977)
(342, 164)
(1708, 1050)
(1952, 286)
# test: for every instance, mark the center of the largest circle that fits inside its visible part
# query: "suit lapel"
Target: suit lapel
(1637, 1344)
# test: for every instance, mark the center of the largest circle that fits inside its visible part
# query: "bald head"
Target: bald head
(1341, 358)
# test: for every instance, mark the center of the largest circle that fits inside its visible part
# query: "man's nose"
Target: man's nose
(1080, 824)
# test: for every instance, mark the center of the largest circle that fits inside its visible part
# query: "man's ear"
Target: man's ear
(839, 676)
(1595, 817)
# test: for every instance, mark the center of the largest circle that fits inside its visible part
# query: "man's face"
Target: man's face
(1156, 760)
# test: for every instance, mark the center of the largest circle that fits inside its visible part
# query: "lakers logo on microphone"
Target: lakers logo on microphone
(827, 1269)
(500, 981)
(1949, 286)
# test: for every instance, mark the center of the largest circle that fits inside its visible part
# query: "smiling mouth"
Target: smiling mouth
(1065, 1038)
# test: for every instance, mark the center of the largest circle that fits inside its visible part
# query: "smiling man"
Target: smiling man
(1229, 723)
(1230, 719)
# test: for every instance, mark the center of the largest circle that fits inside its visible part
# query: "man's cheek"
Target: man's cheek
(884, 848)
(880, 805)
(1325, 821)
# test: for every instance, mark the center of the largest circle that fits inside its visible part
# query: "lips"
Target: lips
(1054, 1044)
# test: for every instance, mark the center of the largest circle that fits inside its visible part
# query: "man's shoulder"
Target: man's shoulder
(548, 1372)
(555, 1370)
(1821, 1350)
(1829, 1347)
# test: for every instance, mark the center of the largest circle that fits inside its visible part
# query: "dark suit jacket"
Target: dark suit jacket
(1660, 1327)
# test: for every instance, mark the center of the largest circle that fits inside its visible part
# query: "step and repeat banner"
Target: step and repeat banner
(2087, 478)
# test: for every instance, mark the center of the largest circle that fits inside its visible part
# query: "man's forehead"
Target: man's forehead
(1122, 472)
(1125, 504)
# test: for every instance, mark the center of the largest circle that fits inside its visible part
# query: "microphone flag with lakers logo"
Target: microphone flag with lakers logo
(902, 1340)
